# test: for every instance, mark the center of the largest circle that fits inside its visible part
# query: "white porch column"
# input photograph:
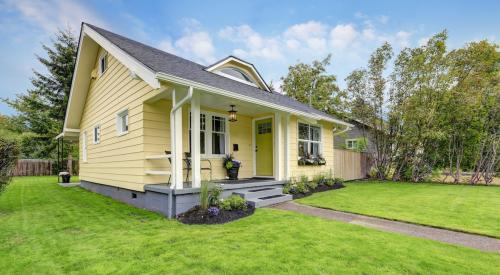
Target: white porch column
(277, 147)
(176, 143)
(195, 141)
(287, 147)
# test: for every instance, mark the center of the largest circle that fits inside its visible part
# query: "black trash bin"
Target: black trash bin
(66, 177)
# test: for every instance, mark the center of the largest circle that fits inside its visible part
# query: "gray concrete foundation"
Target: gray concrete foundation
(161, 199)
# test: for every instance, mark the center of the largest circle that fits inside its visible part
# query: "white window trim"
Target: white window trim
(94, 134)
(208, 133)
(235, 78)
(119, 130)
(347, 143)
(84, 146)
(320, 142)
(103, 55)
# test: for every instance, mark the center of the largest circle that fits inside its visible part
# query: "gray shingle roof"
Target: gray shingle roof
(160, 61)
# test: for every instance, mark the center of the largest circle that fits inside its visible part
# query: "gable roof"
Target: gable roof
(233, 58)
(168, 66)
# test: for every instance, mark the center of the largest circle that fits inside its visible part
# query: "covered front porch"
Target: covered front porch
(188, 132)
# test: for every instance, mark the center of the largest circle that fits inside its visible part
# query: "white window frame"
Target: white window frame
(352, 140)
(320, 142)
(208, 133)
(84, 146)
(96, 136)
(119, 116)
(101, 57)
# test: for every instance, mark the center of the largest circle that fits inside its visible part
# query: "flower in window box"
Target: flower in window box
(321, 160)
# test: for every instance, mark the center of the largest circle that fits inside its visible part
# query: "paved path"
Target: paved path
(453, 237)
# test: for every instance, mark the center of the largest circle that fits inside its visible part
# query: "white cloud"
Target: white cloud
(343, 35)
(167, 46)
(311, 33)
(422, 41)
(254, 43)
(402, 38)
(198, 44)
(52, 15)
(383, 19)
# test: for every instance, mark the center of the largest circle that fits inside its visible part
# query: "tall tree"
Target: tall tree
(366, 90)
(420, 79)
(312, 85)
(41, 109)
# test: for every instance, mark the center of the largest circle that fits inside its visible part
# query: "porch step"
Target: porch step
(260, 192)
(270, 200)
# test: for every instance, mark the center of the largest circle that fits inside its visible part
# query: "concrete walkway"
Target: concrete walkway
(448, 236)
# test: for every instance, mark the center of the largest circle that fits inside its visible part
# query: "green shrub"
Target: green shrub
(301, 187)
(214, 195)
(286, 187)
(204, 195)
(311, 185)
(338, 180)
(233, 202)
(319, 179)
(8, 156)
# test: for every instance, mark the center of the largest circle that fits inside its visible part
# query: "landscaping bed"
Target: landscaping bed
(215, 210)
(320, 188)
(303, 187)
(197, 215)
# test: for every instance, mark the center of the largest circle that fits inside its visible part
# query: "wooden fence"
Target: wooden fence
(42, 167)
(351, 165)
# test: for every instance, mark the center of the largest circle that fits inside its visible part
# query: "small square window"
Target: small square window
(351, 144)
(122, 122)
(97, 134)
(103, 63)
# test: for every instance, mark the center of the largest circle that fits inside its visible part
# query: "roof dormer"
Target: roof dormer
(239, 70)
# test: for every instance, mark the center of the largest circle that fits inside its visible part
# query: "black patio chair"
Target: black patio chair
(187, 161)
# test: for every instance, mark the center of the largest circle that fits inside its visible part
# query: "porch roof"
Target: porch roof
(163, 63)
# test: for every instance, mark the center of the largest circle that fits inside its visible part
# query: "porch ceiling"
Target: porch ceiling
(218, 102)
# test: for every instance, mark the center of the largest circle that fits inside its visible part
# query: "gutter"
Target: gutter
(182, 81)
(347, 128)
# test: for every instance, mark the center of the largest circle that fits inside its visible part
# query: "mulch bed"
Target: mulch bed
(196, 215)
(321, 188)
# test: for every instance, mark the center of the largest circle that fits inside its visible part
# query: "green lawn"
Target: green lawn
(461, 207)
(45, 228)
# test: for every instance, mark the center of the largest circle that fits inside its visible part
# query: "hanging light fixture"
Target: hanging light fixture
(232, 114)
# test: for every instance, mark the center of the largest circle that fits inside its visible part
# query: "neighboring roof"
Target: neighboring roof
(162, 62)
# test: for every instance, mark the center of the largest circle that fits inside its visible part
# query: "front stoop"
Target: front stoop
(264, 196)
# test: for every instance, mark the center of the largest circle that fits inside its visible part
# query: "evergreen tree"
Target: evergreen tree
(41, 109)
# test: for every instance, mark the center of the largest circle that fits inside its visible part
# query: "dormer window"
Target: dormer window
(236, 74)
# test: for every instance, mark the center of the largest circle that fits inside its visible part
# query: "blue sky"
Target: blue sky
(271, 34)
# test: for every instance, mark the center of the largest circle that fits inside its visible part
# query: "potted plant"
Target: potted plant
(321, 160)
(232, 167)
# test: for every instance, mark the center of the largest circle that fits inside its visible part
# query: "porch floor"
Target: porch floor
(225, 184)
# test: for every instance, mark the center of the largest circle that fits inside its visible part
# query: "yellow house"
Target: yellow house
(152, 126)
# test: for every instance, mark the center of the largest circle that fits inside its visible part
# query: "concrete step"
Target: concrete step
(270, 200)
(260, 192)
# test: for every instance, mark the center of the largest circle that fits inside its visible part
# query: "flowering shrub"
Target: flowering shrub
(213, 211)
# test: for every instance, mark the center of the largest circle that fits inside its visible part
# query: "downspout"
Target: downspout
(175, 107)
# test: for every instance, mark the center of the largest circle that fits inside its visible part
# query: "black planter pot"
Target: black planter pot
(233, 173)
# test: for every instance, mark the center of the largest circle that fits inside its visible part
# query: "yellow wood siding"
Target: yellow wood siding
(116, 160)
(327, 151)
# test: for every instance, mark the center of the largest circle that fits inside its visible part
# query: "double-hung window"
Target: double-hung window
(202, 132)
(309, 140)
(213, 134)
(122, 122)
